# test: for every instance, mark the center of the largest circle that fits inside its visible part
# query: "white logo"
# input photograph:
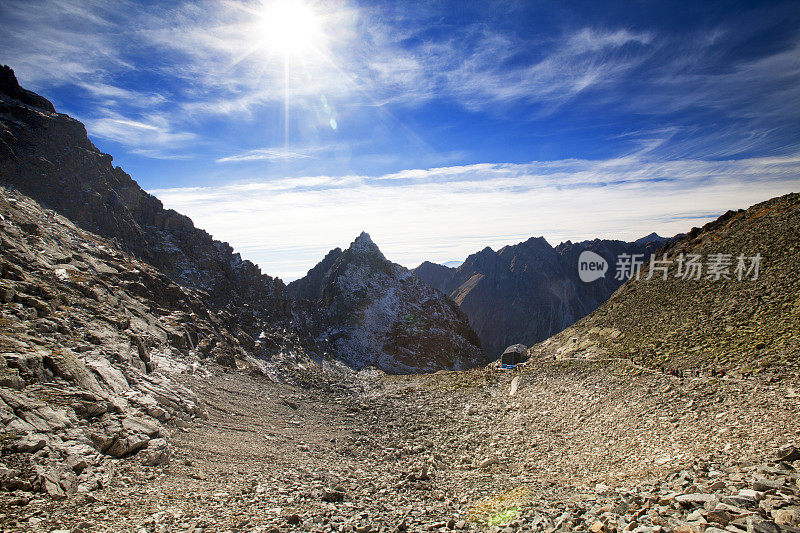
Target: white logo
(591, 266)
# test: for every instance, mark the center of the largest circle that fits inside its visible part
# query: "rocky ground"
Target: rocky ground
(580, 445)
(90, 338)
(127, 404)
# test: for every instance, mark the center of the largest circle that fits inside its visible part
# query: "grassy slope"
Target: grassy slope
(711, 325)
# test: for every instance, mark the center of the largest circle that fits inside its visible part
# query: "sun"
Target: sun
(291, 27)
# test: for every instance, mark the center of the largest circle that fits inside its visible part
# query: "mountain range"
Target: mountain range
(527, 292)
(129, 339)
(355, 306)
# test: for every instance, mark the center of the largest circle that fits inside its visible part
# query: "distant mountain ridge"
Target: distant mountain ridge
(527, 292)
(652, 238)
(372, 312)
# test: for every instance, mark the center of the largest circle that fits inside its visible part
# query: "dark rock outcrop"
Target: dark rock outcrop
(527, 292)
(372, 312)
(9, 86)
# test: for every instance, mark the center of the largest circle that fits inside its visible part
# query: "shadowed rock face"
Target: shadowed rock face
(435, 275)
(372, 312)
(48, 156)
(527, 292)
(10, 87)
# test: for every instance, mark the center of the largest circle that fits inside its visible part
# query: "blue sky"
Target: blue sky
(286, 128)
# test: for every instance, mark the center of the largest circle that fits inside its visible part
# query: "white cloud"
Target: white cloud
(111, 93)
(442, 214)
(57, 41)
(754, 90)
(581, 60)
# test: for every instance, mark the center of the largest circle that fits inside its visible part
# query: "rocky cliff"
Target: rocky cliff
(94, 346)
(372, 312)
(526, 292)
(89, 337)
(729, 302)
(48, 156)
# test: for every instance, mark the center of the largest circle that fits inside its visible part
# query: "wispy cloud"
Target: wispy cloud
(57, 41)
(150, 136)
(272, 154)
(113, 94)
(754, 84)
(442, 214)
(578, 61)
(210, 55)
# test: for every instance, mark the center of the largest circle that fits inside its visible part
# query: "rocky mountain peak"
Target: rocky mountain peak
(653, 237)
(364, 245)
(9, 86)
(537, 241)
(372, 312)
(364, 236)
(535, 249)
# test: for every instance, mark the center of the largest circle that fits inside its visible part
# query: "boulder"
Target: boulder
(138, 425)
(156, 453)
(122, 446)
(30, 443)
(109, 376)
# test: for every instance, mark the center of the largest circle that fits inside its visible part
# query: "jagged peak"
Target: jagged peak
(432, 264)
(363, 245)
(9, 86)
(536, 240)
(653, 237)
(364, 237)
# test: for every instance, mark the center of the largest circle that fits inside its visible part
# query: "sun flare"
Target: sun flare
(291, 27)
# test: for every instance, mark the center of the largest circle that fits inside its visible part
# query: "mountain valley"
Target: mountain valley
(152, 380)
